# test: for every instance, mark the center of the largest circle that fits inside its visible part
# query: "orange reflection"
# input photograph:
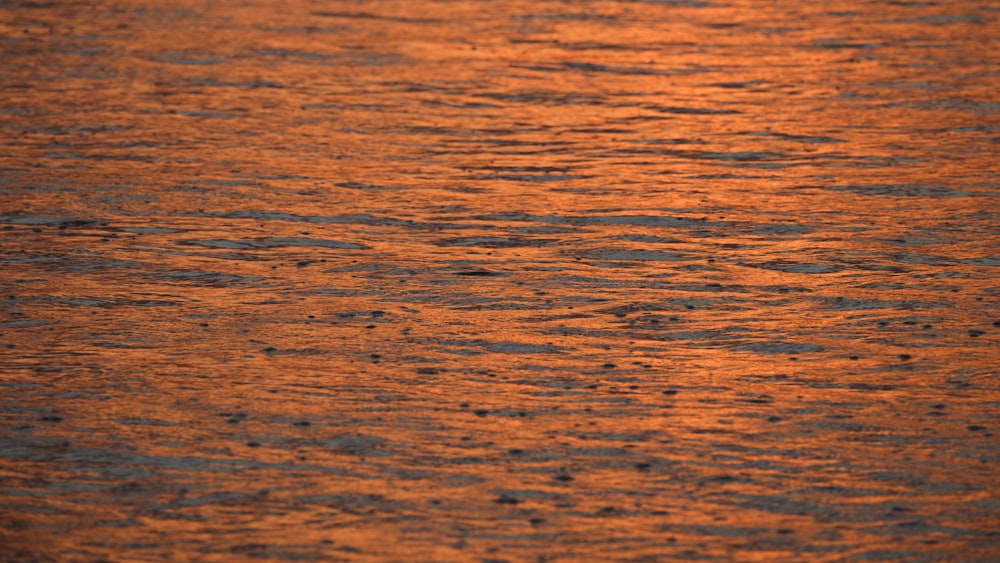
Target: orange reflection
(531, 281)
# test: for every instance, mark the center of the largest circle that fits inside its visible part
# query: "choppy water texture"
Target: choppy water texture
(499, 281)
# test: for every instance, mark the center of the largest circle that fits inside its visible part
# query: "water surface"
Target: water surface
(499, 281)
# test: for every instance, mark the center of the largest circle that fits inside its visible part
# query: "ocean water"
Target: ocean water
(470, 280)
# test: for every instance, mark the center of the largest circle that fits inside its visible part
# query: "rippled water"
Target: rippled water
(499, 281)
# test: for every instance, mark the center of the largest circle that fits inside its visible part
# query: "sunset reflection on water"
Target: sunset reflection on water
(499, 281)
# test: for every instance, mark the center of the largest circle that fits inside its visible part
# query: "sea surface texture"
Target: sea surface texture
(470, 280)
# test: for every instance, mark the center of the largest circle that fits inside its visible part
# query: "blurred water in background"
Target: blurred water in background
(499, 281)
